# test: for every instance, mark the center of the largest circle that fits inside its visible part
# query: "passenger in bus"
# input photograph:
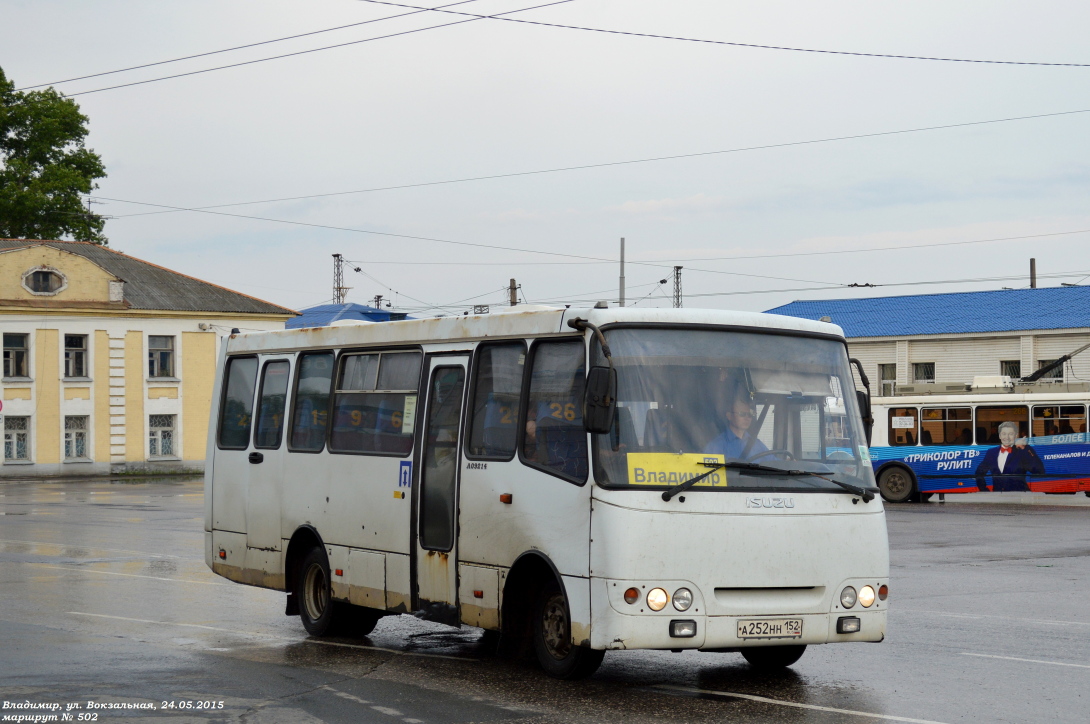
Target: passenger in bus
(736, 441)
(1010, 463)
(966, 437)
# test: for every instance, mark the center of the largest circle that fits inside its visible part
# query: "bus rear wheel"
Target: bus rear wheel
(896, 485)
(770, 658)
(555, 652)
(312, 591)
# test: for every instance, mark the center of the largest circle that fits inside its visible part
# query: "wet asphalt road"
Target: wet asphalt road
(104, 597)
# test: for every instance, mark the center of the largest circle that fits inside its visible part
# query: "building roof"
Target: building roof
(325, 314)
(148, 286)
(1007, 310)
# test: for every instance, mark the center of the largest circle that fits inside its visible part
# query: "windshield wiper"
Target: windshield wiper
(863, 493)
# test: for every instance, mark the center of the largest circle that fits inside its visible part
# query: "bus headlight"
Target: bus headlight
(683, 598)
(866, 596)
(657, 599)
(848, 597)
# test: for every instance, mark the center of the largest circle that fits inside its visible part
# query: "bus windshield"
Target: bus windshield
(778, 411)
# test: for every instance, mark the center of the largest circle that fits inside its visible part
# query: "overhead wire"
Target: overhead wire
(607, 164)
(311, 50)
(243, 47)
(746, 45)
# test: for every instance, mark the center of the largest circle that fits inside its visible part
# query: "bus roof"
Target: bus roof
(519, 321)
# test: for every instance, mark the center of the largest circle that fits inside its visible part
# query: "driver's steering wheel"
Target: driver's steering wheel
(766, 453)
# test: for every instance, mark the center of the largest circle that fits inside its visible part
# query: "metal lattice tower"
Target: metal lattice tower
(339, 289)
(677, 287)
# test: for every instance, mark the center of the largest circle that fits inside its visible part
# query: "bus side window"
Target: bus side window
(238, 403)
(988, 420)
(554, 435)
(310, 408)
(270, 405)
(903, 425)
(946, 426)
(497, 401)
(374, 409)
(1058, 420)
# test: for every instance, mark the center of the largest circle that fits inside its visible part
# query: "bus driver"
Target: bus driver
(736, 439)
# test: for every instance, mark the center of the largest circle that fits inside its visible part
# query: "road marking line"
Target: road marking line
(127, 575)
(168, 623)
(1002, 618)
(794, 704)
(1028, 661)
(345, 695)
(386, 710)
(93, 548)
(277, 638)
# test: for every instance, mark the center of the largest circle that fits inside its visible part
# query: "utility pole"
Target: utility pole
(378, 301)
(621, 302)
(512, 293)
(1032, 273)
(339, 289)
(677, 287)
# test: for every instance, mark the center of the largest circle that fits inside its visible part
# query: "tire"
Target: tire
(896, 485)
(316, 606)
(552, 638)
(772, 658)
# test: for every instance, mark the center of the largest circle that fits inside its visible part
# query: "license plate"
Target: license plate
(770, 628)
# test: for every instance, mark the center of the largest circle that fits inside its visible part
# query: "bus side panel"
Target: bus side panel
(545, 514)
(210, 449)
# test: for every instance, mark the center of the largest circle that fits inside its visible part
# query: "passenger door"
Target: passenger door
(266, 456)
(435, 584)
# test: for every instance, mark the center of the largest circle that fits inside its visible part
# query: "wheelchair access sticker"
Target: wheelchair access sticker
(674, 469)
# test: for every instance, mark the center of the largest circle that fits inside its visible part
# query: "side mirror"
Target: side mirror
(600, 399)
(864, 411)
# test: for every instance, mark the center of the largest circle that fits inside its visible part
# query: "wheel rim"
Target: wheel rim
(554, 627)
(896, 484)
(315, 592)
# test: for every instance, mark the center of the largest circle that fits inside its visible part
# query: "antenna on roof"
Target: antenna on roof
(339, 289)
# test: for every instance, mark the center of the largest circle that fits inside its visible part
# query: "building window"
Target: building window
(75, 437)
(923, 372)
(160, 356)
(887, 375)
(15, 355)
(44, 281)
(161, 436)
(16, 438)
(1011, 368)
(1056, 375)
(75, 355)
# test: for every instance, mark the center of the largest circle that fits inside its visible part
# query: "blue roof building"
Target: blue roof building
(325, 314)
(943, 338)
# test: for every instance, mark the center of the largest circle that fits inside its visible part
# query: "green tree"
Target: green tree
(44, 167)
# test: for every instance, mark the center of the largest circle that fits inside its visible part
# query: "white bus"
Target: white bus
(509, 472)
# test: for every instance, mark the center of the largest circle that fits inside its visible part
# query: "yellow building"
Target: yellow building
(109, 360)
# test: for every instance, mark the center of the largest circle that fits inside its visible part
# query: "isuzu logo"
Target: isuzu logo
(769, 502)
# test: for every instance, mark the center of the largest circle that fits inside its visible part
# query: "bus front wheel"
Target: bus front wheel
(555, 652)
(896, 485)
(770, 658)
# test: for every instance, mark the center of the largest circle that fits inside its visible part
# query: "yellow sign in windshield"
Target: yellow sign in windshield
(673, 469)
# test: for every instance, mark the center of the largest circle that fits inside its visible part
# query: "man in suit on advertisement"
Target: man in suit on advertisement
(1009, 463)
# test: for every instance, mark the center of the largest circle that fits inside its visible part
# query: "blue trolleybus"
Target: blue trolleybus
(992, 435)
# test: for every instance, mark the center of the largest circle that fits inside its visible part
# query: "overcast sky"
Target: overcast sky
(491, 97)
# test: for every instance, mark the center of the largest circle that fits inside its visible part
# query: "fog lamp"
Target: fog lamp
(683, 598)
(847, 624)
(866, 596)
(682, 629)
(657, 599)
(848, 597)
